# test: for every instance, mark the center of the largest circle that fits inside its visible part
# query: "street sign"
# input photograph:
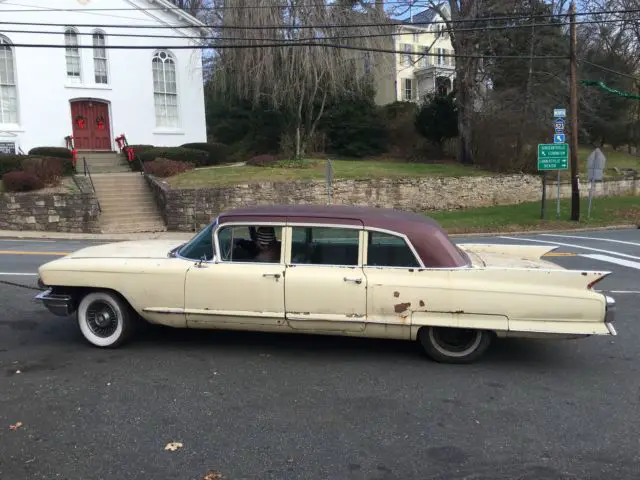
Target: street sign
(559, 138)
(7, 148)
(553, 156)
(559, 112)
(558, 125)
(596, 162)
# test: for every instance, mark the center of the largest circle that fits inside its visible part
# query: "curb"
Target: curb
(114, 237)
(629, 226)
(118, 237)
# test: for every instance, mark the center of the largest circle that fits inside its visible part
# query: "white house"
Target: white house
(412, 74)
(152, 93)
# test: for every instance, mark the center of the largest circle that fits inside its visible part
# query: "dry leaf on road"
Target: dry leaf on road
(173, 446)
(16, 426)
(212, 476)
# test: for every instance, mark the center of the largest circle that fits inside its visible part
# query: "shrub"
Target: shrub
(48, 169)
(21, 182)
(191, 155)
(263, 161)
(137, 149)
(10, 163)
(58, 152)
(164, 167)
(217, 152)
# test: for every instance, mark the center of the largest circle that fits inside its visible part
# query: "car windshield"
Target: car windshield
(200, 246)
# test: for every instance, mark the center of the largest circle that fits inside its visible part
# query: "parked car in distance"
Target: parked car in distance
(328, 269)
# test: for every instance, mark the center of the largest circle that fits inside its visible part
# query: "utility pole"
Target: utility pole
(573, 109)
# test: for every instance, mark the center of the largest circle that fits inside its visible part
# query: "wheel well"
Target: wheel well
(78, 293)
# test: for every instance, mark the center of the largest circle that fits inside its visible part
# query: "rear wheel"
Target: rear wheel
(454, 345)
(105, 320)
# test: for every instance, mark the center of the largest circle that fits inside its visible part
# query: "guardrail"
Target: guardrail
(87, 172)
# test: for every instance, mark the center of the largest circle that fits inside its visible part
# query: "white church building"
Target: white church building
(152, 93)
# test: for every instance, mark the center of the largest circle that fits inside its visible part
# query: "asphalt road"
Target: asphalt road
(260, 406)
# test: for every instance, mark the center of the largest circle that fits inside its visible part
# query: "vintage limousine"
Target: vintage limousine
(336, 270)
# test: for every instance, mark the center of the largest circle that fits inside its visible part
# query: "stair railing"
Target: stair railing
(88, 172)
(132, 156)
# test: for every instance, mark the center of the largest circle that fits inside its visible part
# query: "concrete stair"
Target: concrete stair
(102, 162)
(127, 203)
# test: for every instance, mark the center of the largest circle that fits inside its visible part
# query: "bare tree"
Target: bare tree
(277, 53)
(465, 41)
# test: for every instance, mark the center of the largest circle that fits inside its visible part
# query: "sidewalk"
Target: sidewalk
(102, 237)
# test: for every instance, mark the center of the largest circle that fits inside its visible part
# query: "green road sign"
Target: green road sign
(553, 156)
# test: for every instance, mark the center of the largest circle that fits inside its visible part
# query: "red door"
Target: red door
(91, 128)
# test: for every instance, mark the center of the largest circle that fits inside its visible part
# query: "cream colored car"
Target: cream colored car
(334, 270)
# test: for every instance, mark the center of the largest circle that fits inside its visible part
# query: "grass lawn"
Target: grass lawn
(346, 169)
(526, 216)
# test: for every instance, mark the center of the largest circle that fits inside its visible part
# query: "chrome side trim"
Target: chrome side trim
(611, 328)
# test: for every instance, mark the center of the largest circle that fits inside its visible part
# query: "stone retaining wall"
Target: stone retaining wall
(51, 212)
(191, 209)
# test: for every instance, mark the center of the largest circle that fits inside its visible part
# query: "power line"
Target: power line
(332, 37)
(595, 65)
(296, 44)
(389, 23)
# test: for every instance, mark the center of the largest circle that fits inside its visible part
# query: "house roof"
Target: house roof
(182, 13)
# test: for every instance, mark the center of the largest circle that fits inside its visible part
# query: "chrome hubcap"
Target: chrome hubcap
(102, 319)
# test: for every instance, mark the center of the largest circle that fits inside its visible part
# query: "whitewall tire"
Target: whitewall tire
(454, 345)
(104, 319)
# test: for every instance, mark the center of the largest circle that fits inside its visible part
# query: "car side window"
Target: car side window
(248, 243)
(385, 250)
(324, 246)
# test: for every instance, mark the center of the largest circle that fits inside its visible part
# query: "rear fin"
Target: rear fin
(525, 252)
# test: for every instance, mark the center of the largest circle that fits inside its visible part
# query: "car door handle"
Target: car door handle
(354, 280)
(274, 275)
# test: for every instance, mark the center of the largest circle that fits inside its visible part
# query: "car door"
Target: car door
(325, 288)
(237, 291)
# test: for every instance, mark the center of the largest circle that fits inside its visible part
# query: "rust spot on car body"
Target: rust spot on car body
(355, 315)
(396, 294)
(421, 303)
(401, 307)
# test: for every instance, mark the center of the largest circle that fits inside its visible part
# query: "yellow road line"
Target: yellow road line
(560, 254)
(23, 252)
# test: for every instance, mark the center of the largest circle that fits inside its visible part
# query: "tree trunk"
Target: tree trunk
(464, 101)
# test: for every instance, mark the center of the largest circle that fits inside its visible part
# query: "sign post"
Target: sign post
(554, 156)
(329, 179)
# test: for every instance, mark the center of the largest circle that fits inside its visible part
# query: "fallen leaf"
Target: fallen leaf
(173, 446)
(16, 426)
(212, 476)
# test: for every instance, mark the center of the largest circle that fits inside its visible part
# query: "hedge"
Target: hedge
(163, 167)
(218, 152)
(59, 152)
(191, 155)
(11, 163)
(21, 182)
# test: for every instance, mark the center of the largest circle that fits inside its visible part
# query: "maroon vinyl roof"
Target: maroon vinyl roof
(426, 235)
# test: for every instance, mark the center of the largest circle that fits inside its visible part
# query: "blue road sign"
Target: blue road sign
(559, 138)
(559, 125)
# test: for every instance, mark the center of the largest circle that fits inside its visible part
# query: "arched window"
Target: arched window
(8, 88)
(72, 53)
(165, 89)
(100, 58)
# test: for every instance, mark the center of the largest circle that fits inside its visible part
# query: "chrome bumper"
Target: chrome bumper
(60, 305)
(610, 314)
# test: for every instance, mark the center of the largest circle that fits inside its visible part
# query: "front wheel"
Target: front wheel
(454, 345)
(104, 319)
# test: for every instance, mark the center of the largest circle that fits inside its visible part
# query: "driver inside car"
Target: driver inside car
(268, 246)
